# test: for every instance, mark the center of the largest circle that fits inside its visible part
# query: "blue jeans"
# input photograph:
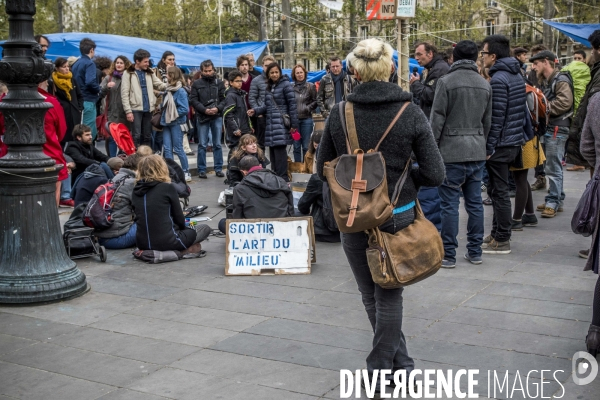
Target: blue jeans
(157, 140)
(112, 147)
(89, 117)
(214, 128)
(467, 176)
(173, 143)
(65, 188)
(124, 241)
(384, 310)
(555, 150)
(301, 146)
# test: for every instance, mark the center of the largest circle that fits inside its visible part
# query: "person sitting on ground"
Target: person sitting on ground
(175, 172)
(158, 215)
(122, 233)
(83, 151)
(311, 203)
(144, 150)
(235, 111)
(248, 146)
(311, 155)
(87, 183)
(261, 194)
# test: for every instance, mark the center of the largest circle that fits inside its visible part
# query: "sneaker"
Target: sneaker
(495, 247)
(539, 184)
(483, 187)
(67, 203)
(448, 263)
(202, 175)
(584, 253)
(487, 202)
(576, 168)
(188, 176)
(220, 174)
(542, 207)
(529, 220)
(191, 153)
(202, 232)
(517, 225)
(486, 241)
(473, 259)
(549, 212)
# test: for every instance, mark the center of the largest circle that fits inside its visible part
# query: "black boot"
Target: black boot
(592, 340)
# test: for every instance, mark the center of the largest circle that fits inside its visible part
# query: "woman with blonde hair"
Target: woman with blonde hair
(111, 88)
(175, 107)
(376, 103)
(158, 216)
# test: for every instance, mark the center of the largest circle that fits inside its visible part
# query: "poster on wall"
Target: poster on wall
(406, 8)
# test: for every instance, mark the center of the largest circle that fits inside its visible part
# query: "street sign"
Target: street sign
(406, 8)
(381, 9)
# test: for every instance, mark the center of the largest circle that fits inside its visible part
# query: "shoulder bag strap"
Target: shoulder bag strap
(351, 127)
(341, 107)
(389, 128)
(400, 183)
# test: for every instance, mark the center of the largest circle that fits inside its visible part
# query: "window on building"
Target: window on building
(517, 28)
(227, 8)
(306, 40)
(306, 63)
(282, 63)
(490, 27)
(319, 64)
(332, 14)
(491, 3)
(437, 4)
(364, 32)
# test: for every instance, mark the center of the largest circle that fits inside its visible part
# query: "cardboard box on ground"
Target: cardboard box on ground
(276, 246)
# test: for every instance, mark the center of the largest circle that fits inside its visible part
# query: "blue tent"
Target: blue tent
(578, 32)
(187, 56)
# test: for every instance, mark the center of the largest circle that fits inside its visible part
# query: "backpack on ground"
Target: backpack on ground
(358, 181)
(98, 212)
(537, 104)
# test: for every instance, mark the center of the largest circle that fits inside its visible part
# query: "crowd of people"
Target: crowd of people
(468, 124)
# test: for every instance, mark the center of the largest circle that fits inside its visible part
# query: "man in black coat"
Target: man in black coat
(423, 87)
(261, 194)
(83, 151)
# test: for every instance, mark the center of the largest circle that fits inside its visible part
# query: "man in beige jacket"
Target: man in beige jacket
(137, 92)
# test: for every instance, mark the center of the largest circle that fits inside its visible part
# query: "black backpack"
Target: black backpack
(328, 218)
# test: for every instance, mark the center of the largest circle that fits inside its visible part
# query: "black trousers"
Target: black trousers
(498, 190)
(260, 124)
(279, 163)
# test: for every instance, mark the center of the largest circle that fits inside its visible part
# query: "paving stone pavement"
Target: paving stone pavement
(185, 331)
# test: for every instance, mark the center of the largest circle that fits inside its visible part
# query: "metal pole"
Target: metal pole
(404, 50)
(34, 266)
(399, 48)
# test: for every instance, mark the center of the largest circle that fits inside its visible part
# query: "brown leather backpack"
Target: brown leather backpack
(357, 180)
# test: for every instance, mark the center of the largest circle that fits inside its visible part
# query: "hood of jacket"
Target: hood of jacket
(143, 187)
(93, 171)
(265, 183)
(124, 173)
(462, 65)
(378, 92)
(508, 64)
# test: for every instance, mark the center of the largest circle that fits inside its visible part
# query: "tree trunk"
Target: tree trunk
(353, 31)
(263, 33)
(59, 5)
(286, 34)
(548, 14)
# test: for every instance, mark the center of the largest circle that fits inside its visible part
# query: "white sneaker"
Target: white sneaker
(188, 177)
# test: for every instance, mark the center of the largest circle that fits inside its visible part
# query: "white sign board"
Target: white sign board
(333, 4)
(406, 8)
(269, 246)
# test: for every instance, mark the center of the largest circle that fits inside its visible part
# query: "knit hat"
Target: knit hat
(115, 163)
(465, 50)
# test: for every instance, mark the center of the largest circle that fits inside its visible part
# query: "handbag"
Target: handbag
(585, 217)
(155, 120)
(407, 256)
(287, 121)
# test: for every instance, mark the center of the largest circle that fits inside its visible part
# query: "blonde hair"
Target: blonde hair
(153, 169)
(144, 150)
(371, 58)
(245, 140)
(268, 58)
(175, 75)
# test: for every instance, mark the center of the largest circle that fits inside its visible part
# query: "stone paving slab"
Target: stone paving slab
(201, 335)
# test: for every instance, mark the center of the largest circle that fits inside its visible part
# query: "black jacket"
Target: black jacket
(234, 175)
(311, 203)
(262, 194)
(375, 106)
(160, 221)
(84, 156)
(425, 90)
(84, 188)
(306, 99)
(71, 108)
(235, 116)
(203, 91)
(508, 105)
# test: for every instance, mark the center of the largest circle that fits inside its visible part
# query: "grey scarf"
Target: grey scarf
(169, 106)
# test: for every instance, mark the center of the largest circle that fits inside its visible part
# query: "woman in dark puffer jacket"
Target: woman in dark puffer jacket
(279, 99)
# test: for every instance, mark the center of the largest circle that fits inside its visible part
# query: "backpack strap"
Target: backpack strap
(351, 126)
(341, 107)
(389, 128)
(400, 183)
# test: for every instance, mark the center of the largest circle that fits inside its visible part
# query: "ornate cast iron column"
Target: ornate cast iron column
(34, 266)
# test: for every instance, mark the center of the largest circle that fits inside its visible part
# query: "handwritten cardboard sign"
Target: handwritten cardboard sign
(269, 246)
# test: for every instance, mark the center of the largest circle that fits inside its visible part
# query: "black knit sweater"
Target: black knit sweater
(375, 106)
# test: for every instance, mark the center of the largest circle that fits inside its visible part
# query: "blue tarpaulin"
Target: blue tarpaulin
(186, 55)
(578, 32)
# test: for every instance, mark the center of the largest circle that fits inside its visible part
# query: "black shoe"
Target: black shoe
(529, 220)
(487, 202)
(592, 340)
(202, 175)
(220, 174)
(517, 225)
